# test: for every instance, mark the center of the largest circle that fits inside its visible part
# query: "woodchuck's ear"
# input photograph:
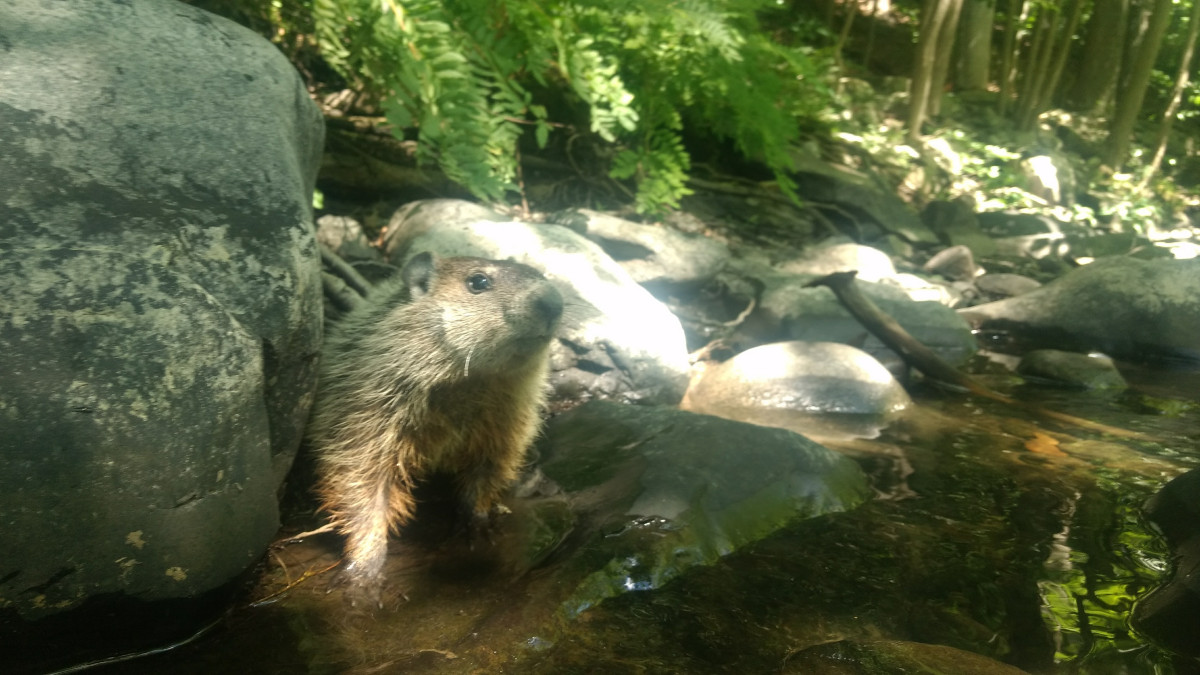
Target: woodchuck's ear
(418, 274)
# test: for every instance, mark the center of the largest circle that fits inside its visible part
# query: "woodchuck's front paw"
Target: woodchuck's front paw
(357, 586)
(480, 526)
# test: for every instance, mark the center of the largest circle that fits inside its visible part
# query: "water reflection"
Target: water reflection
(991, 534)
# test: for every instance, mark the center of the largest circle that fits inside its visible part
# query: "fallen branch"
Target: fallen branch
(922, 358)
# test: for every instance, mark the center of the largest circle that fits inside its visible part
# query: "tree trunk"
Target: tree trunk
(933, 15)
(1009, 52)
(1047, 98)
(1136, 24)
(945, 48)
(871, 33)
(1129, 103)
(1100, 59)
(1049, 75)
(851, 8)
(974, 45)
(1181, 82)
(1036, 63)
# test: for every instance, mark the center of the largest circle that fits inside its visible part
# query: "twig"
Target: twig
(741, 317)
(308, 574)
(297, 538)
(122, 658)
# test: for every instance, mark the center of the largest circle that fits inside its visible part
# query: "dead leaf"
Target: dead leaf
(1044, 445)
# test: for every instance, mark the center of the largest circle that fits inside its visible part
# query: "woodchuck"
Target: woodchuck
(442, 369)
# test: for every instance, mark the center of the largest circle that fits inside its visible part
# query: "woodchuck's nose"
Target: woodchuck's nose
(549, 304)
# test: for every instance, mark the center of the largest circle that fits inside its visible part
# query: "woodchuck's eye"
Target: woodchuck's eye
(478, 282)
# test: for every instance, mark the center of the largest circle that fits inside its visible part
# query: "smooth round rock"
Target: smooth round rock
(1072, 369)
(815, 377)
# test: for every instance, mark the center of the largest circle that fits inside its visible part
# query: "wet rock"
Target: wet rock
(1123, 307)
(660, 258)
(955, 224)
(1003, 285)
(1171, 613)
(851, 657)
(664, 490)
(955, 263)
(1050, 178)
(787, 310)
(1071, 369)
(1038, 236)
(1025, 234)
(870, 263)
(418, 217)
(1175, 509)
(615, 341)
(858, 195)
(344, 236)
(686, 222)
(824, 389)
(162, 304)
(920, 289)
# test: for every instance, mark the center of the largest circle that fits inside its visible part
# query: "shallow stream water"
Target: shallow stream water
(1011, 538)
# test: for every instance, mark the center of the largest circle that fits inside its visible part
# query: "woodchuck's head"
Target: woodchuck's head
(494, 314)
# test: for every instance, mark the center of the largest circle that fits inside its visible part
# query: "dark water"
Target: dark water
(1018, 540)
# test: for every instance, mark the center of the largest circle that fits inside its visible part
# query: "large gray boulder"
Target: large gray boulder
(162, 304)
(662, 491)
(662, 259)
(1171, 613)
(1127, 308)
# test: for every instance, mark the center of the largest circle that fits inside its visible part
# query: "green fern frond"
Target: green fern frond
(458, 71)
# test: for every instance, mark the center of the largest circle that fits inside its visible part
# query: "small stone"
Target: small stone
(871, 264)
(1006, 285)
(955, 263)
(1072, 369)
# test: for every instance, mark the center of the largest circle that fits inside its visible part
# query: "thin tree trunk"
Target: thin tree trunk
(1181, 82)
(974, 45)
(1008, 51)
(1129, 103)
(1052, 72)
(1060, 58)
(932, 18)
(1136, 25)
(871, 33)
(851, 8)
(945, 48)
(1035, 65)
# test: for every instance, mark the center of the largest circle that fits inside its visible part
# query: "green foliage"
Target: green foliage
(659, 165)
(463, 72)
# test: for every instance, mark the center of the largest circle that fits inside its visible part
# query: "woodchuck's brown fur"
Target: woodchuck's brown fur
(441, 370)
